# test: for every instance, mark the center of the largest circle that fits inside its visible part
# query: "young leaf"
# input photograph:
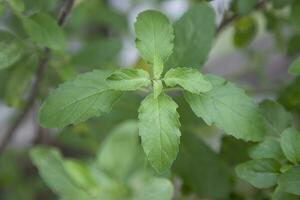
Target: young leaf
(159, 129)
(11, 49)
(290, 181)
(51, 167)
(276, 118)
(129, 79)
(78, 100)
(154, 38)
(194, 35)
(295, 67)
(45, 31)
(230, 109)
(188, 78)
(269, 148)
(201, 169)
(262, 173)
(290, 144)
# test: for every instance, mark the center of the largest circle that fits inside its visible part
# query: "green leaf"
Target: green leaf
(119, 153)
(11, 49)
(295, 67)
(201, 169)
(51, 167)
(269, 148)
(45, 31)
(290, 144)
(290, 181)
(295, 14)
(245, 30)
(159, 129)
(75, 101)
(276, 118)
(156, 188)
(229, 108)
(280, 3)
(154, 38)
(17, 5)
(128, 79)
(262, 173)
(279, 194)
(194, 35)
(157, 88)
(246, 6)
(190, 79)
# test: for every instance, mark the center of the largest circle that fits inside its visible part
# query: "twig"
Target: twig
(39, 75)
(226, 22)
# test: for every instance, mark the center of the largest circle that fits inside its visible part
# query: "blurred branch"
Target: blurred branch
(227, 21)
(39, 75)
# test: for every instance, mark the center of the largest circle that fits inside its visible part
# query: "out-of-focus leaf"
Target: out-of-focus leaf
(290, 144)
(269, 148)
(11, 49)
(261, 173)
(17, 5)
(200, 169)
(290, 96)
(45, 31)
(295, 14)
(155, 188)
(245, 30)
(97, 54)
(295, 67)
(276, 118)
(246, 6)
(293, 46)
(19, 82)
(279, 194)
(194, 34)
(280, 3)
(290, 181)
(51, 167)
(121, 151)
(234, 151)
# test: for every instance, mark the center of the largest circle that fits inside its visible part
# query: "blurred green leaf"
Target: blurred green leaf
(45, 31)
(295, 14)
(17, 5)
(261, 173)
(245, 30)
(269, 148)
(194, 35)
(246, 6)
(279, 194)
(276, 118)
(51, 167)
(121, 152)
(11, 49)
(280, 3)
(290, 181)
(290, 144)
(201, 169)
(295, 67)
(293, 46)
